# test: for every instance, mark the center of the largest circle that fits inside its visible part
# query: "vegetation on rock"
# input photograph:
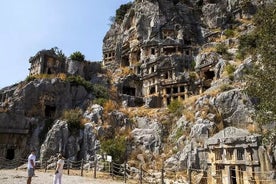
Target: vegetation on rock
(120, 12)
(59, 53)
(115, 147)
(98, 90)
(73, 118)
(176, 107)
(77, 56)
(261, 81)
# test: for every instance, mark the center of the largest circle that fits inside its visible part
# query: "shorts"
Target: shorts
(30, 172)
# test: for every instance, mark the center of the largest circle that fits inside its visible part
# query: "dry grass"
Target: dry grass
(246, 21)
(212, 93)
(113, 93)
(110, 105)
(252, 128)
(208, 50)
(62, 76)
(126, 71)
(191, 100)
(220, 39)
(83, 121)
(190, 116)
(142, 111)
(3, 110)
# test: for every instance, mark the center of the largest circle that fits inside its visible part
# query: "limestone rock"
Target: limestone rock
(239, 73)
(75, 67)
(94, 113)
(147, 135)
(235, 108)
(81, 144)
(56, 141)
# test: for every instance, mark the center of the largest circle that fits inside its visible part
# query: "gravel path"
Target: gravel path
(20, 177)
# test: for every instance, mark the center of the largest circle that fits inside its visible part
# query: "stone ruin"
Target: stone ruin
(47, 62)
(234, 156)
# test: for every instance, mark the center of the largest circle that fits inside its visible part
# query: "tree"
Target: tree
(120, 12)
(59, 53)
(261, 81)
(115, 147)
(77, 56)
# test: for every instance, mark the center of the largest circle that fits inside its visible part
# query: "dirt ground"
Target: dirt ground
(20, 177)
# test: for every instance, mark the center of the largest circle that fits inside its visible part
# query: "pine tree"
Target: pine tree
(261, 83)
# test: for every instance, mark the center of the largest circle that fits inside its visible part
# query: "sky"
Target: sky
(28, 26)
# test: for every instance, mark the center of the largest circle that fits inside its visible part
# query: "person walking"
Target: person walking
(59, 169)
(31, 166)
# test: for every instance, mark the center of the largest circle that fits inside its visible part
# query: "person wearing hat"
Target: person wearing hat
(58, 171)
(31, 166)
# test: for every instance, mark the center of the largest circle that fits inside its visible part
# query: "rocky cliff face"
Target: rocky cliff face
(27, 107)
(161, 51)
(159, 38)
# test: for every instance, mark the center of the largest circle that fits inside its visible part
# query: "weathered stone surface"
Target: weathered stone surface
(119, 120)
(56, 141)
(201, 129)
(188, 157)
(242, 69)
(235, 107)
(232, 135)
(75, 67)
(147, 135)
(219, 13)
(33, 98)
(81, 144)
(181, 125)
(89, 143)
(94, 113)
(219, 67)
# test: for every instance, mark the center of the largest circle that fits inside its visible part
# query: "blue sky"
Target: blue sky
(28, 26)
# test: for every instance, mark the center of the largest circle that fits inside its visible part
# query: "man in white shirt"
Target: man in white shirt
(31, 166)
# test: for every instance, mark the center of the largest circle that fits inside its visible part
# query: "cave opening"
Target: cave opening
(10, 154)
(209, 74)
(50, 111)
(129, 90)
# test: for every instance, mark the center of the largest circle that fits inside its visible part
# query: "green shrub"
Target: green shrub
(115, 147)
(229, 33)
(77, 56)
(120, 12)
(221, 49)
(193, 64)
(225, 87)
(176, 107)
(61, 56)
(230, 69)
(179, 133)
(78, 80)
(231, 77)
(30, 78)
(100, 101)
(247, 43)
(193, 75)
(240, 55)
(100, 91)
(73, 118)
